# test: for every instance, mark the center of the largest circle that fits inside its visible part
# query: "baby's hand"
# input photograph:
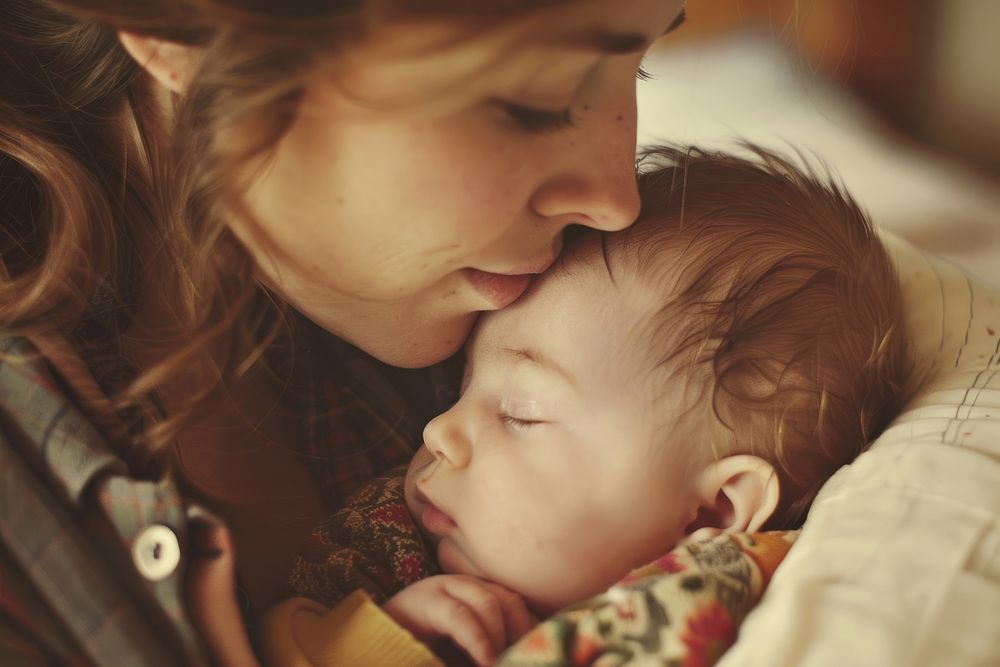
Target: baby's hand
(481, 617)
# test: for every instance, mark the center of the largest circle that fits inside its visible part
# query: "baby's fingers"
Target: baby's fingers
(451, 617)
(517, 618)
(481, 599)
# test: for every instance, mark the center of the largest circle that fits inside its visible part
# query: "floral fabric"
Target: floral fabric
(683, 609)
(371, 544)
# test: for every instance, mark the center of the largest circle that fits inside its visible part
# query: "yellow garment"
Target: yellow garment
(299, 632)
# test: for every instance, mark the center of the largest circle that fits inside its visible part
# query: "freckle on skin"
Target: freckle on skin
(620, 118)
(991, 331)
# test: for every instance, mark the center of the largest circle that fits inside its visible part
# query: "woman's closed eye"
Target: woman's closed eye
(540, 120)
(537, 119)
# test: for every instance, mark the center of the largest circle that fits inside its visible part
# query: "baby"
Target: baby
(704, 371)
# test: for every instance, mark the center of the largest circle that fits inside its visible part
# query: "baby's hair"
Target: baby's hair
(780, 311)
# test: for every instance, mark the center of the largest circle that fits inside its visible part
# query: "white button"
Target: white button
(156, 552)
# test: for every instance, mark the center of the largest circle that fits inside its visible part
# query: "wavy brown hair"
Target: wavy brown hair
(781, 312)
(96, 186)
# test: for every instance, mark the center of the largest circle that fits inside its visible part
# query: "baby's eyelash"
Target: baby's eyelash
(533, 119)
(643, 75)
(516, 423)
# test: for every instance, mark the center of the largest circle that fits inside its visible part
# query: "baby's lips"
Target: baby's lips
(435, 521)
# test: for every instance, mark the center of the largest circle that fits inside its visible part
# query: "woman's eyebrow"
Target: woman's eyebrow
(681, 18)
(614, 43)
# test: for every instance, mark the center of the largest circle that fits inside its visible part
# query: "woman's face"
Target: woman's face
(395, 209)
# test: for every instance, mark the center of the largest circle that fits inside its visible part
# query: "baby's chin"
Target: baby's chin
(452, 559)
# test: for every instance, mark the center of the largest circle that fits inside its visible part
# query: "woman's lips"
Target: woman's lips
(436, 521)
(501, 290)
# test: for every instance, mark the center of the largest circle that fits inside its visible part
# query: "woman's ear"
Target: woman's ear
(735, 494)
(171, 63)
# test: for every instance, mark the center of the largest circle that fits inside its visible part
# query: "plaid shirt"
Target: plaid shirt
(71, 516)
(364, 417)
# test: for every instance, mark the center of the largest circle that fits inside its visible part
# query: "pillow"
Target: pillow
(898, 562)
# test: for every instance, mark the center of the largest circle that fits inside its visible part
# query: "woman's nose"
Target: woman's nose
(447, 441)
(597, 184)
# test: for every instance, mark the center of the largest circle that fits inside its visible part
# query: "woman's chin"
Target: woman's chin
(418, 346)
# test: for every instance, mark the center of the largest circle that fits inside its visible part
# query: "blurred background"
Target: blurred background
(899, 97)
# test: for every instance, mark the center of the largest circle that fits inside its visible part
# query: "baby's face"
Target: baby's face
(548, 476)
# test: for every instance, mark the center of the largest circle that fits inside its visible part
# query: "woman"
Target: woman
(223, 223)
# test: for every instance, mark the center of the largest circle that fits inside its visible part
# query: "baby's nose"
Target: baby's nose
(446, 440)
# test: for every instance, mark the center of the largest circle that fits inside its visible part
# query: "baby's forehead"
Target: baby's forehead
(647, 270)
(584, 313)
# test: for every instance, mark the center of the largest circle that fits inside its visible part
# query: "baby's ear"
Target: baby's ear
(736, 494)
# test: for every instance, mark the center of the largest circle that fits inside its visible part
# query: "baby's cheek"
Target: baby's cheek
(542, 532)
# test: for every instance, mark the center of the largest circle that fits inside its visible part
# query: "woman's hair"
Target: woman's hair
(780, 312)
(96, 187)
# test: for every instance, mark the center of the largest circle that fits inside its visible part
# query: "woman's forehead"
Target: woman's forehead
(596, 25)
(421, 58)
(464, 67)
